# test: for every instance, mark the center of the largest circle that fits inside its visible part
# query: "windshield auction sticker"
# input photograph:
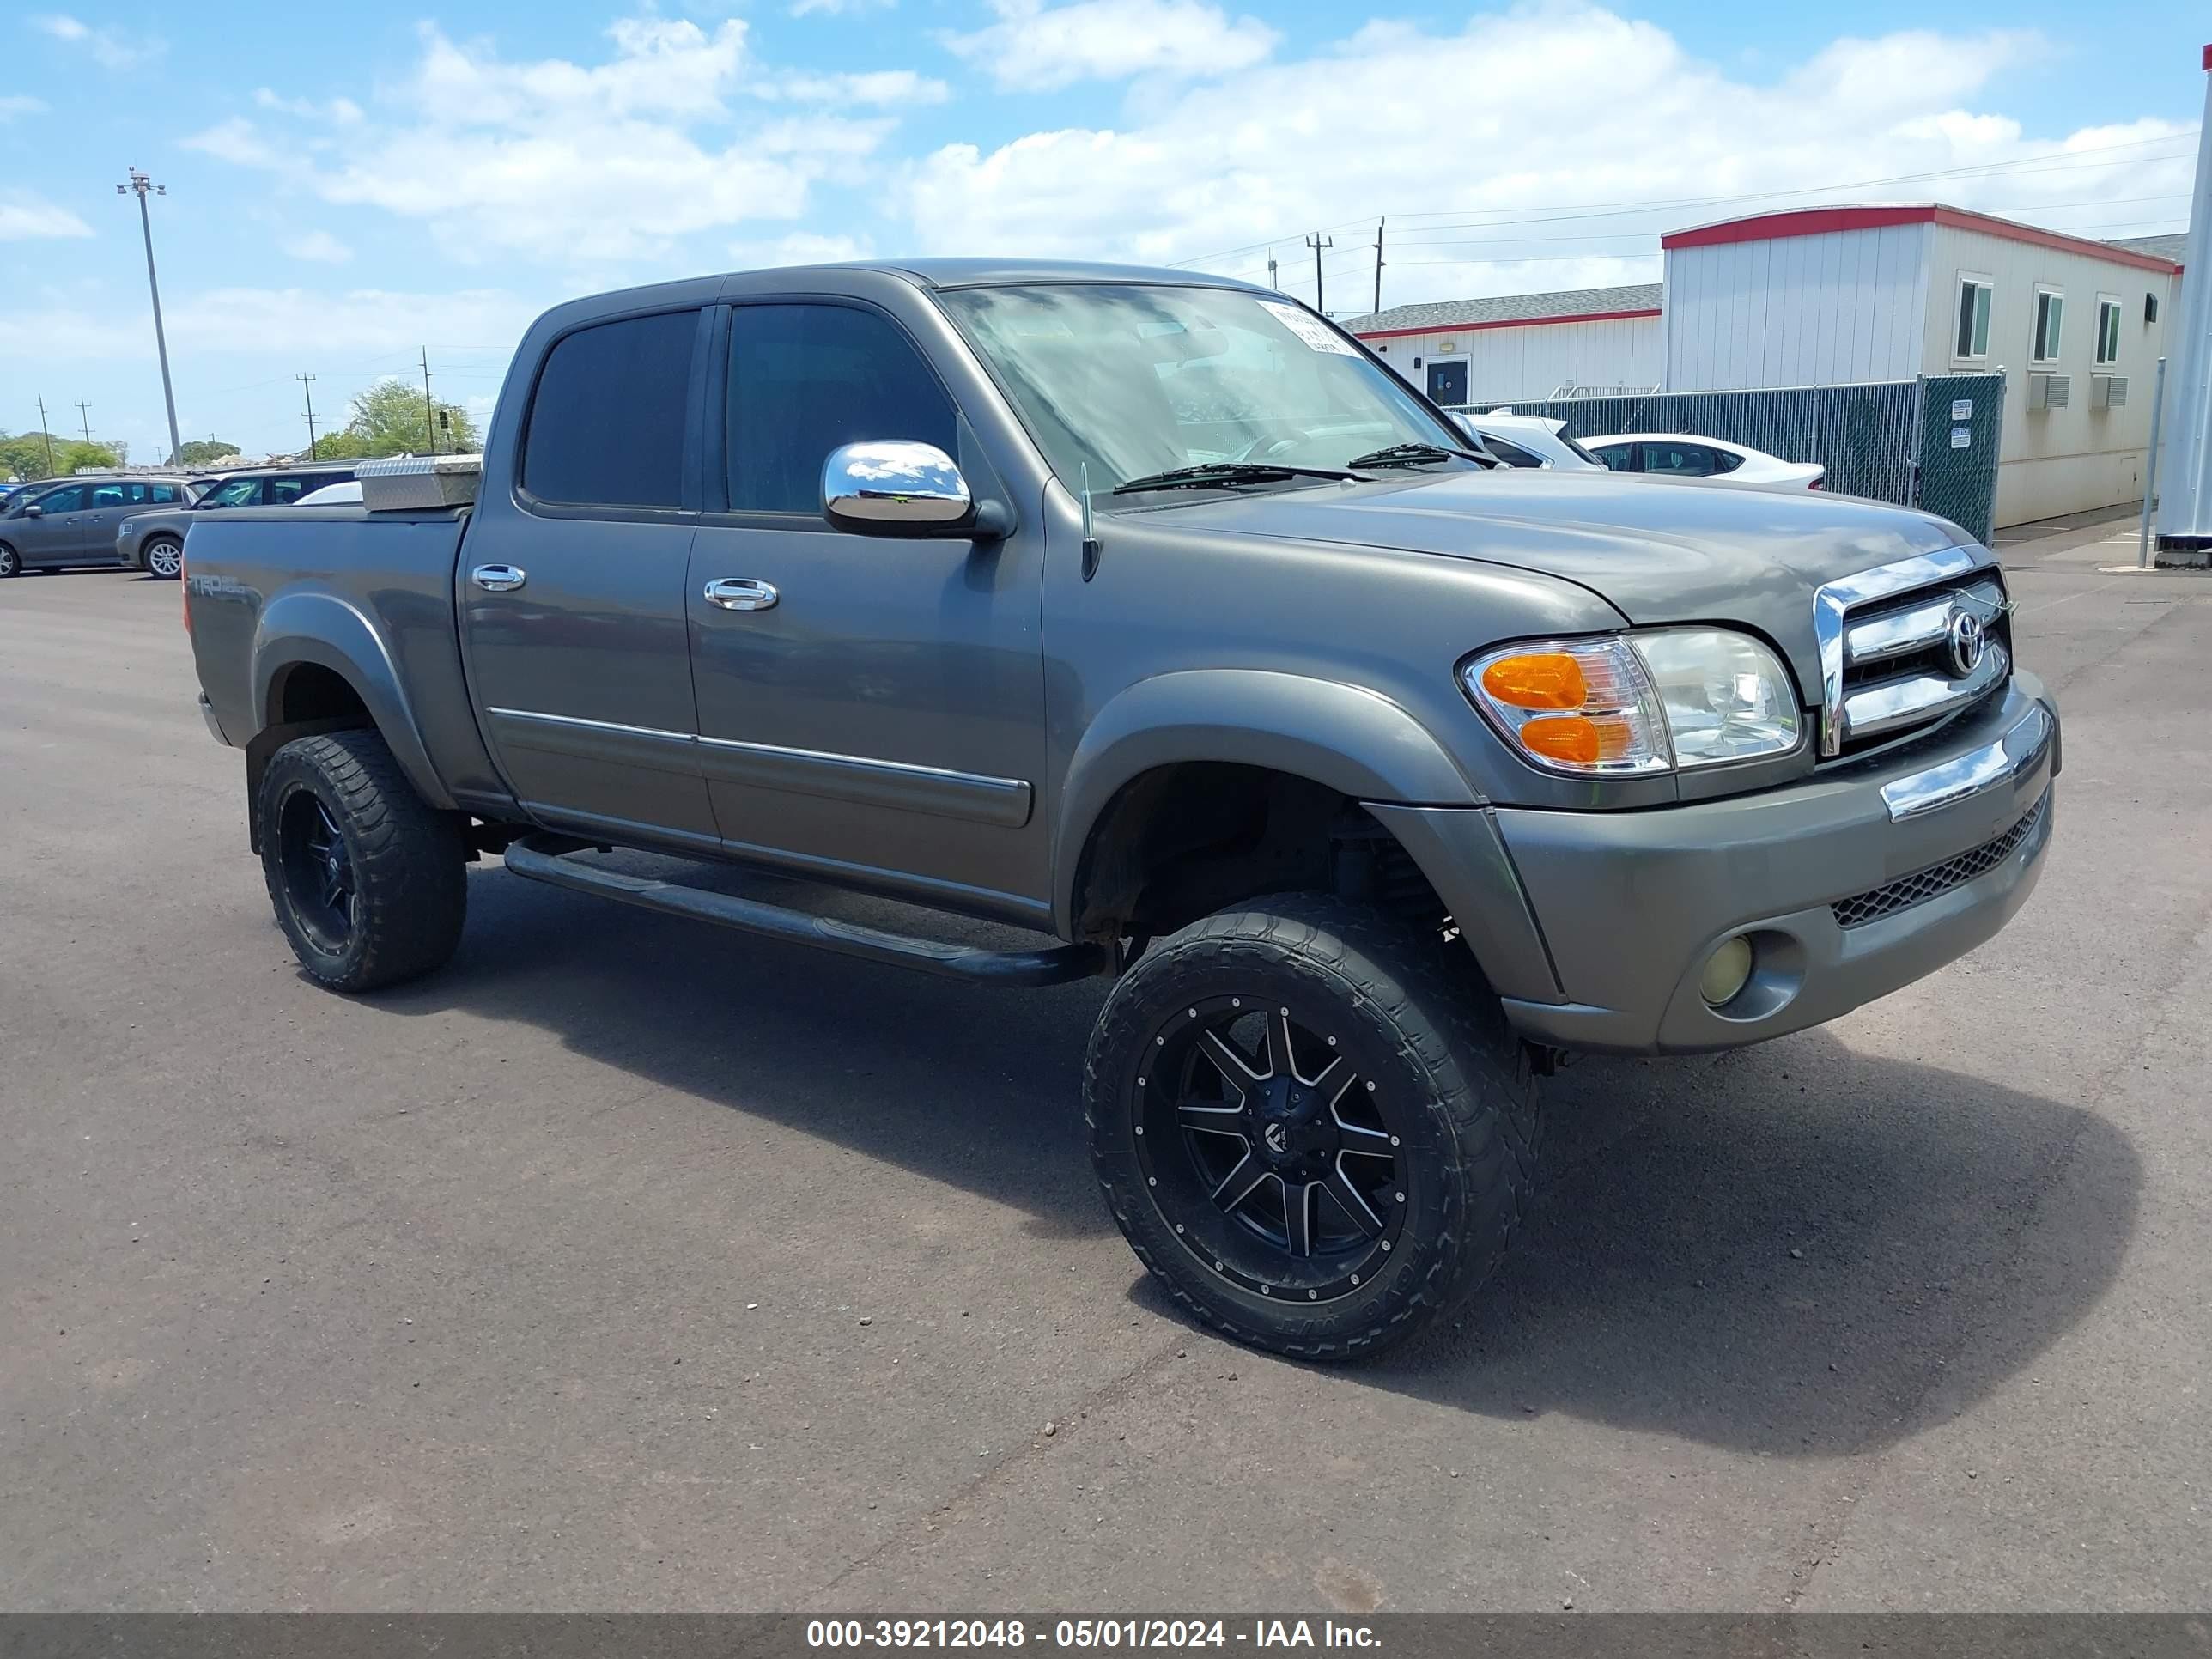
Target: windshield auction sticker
(1308, 328)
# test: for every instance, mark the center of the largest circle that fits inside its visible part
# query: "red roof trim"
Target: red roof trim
(1820, 222)
(1502, 322)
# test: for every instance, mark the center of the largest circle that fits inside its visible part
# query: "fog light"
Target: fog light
(1726, 970)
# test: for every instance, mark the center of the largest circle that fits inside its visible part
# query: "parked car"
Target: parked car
(1710, 460)
(71, 521)
(154, 542)
(1374, 775)
(1529, 441)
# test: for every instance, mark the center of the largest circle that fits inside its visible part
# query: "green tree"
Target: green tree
(202, 452)
(25, 455)
(389, 419)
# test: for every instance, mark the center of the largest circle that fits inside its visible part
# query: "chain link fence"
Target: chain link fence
(1931, 442)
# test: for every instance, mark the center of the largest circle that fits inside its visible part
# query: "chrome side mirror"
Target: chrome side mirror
(895, 487)
(34, 511)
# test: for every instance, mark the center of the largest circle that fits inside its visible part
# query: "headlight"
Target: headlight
(1638, 703)
(1727, 696)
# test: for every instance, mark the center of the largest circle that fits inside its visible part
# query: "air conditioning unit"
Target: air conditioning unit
(2108, 391)
(2049, 391)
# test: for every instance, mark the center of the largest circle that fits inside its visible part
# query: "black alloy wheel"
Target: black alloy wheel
(318, 872)
(1267, 1148)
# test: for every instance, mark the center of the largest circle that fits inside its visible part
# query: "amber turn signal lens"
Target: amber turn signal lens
(1537, 679)
(1578, 739)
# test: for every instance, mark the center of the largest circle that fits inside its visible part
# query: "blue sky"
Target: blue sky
(349, 184)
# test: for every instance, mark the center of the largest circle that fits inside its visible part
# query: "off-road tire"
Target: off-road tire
(156, 544)
(1417, 1016)
(410, 886)
(11, 562)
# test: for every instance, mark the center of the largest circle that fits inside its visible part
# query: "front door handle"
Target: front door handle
(738, 593)
(499, 578)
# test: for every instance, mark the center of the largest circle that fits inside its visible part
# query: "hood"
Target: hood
(1658, 551)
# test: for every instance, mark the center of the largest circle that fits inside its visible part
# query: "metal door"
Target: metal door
(868, 705)
(1447, 384)
(571, 590)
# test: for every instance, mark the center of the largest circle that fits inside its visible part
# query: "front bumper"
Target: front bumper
(1927, 856)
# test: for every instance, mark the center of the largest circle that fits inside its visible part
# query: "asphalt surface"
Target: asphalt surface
(629, 1264)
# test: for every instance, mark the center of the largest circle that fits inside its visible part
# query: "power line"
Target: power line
(2059, 160)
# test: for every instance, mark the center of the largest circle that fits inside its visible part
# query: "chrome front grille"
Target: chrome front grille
(1904, 645)
(1891, 897)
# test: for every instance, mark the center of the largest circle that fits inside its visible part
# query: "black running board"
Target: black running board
(543, 858)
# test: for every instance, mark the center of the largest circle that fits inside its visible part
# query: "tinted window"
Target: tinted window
(283, 491)
(606, 426)
(107, 494)
(234, 492)
(1679, 460)
(167, 494)
(67, 500)
(807, 379)
(1511, 454)
(1724, 461)
(1621, 458)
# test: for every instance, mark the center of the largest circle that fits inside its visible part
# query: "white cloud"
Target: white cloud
(836, 7)
(876, 89)
(800, 248)
(583, 163)
(24, 217)
(111, 48)
(339, 112)
(1034, 47)
(319, 246)
(12, 107)
(1500, 188)
(310, 326)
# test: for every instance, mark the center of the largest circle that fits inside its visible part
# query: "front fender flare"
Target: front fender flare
(320, 627)
(1344, 737)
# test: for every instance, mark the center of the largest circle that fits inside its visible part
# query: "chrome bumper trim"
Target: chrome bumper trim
(1978, 771)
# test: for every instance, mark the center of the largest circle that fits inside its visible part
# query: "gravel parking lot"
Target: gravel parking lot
(630, 1264)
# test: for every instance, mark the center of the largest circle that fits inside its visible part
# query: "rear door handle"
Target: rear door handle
(739, 593)
(499, 578)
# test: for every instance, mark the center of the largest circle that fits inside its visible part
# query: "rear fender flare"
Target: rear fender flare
(324, 629)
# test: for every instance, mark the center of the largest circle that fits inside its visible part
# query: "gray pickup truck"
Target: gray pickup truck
(1149, 612)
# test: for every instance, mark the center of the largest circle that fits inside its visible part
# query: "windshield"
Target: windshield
(1132, 380)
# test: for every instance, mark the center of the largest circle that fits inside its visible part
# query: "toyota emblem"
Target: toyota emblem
(1968, 640)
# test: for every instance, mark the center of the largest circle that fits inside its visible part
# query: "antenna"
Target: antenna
(1089, 535)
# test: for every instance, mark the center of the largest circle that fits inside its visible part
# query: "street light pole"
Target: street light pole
(143, 186)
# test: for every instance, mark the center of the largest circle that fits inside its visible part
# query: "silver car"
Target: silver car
(154, 540)
(73, 521)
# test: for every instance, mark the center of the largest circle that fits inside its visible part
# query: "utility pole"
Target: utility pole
(429, 411)
(143, 186)
(308, 384)
(84, 414)
(1272, 282)
(1318, 242)
(47, 435)
(1378, 264)
(2184, 500)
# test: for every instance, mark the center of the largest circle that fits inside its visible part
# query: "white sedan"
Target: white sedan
(1529, 440)
(1707, 460)
(337, 495)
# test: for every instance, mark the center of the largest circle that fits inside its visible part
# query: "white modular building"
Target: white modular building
(1839, 295)
(1825, 296)
(1522, 345)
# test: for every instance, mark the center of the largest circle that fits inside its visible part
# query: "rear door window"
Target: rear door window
(165, 494)
(806, 380)
(284, 492)
(108, 496)
(608, 420)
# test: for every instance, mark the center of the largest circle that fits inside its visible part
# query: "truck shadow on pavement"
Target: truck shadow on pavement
(1796, 1250)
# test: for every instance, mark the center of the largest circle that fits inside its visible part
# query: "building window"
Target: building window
(1972, 341)
(2108, 329)
(2050, 323)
